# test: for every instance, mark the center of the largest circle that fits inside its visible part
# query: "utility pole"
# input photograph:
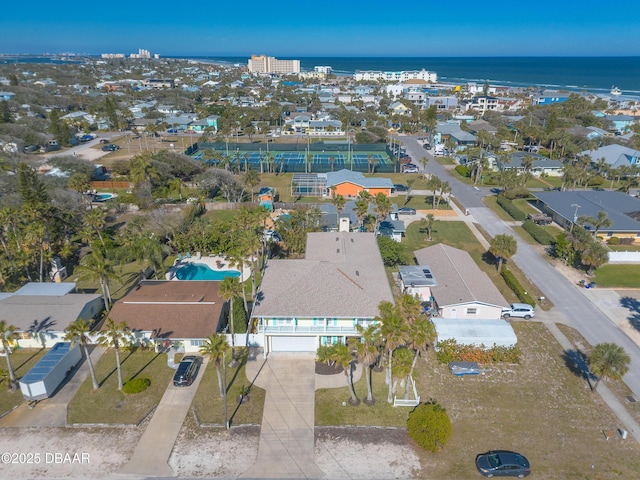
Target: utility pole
(575, 215)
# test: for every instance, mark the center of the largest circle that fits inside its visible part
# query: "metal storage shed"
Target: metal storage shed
(46, 375)
(475, 332)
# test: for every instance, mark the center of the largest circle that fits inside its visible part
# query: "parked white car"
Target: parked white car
(520, 310)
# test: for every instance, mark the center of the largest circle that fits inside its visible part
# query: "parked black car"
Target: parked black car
(400, 188)
(111, 147)
(187, 370)
(503, 463)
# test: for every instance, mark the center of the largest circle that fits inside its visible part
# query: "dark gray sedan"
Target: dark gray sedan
(406, 211)
(503, 463)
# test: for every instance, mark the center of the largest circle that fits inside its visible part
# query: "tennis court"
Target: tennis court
(325, 157)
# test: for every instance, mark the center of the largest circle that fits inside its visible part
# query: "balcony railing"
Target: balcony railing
(311, 329)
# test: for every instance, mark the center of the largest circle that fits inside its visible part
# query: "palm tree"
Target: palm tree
(394, 331)
(427, 223)
(382, 207)
(421, 333)
(216, 347)
(597, 223)
(230, 288)
(7, 335)
(95, 220)
(503, 247)
(608, 360)
(78, 332)
(96, 265)
(362, 209)
(434, 184)
(342, 355)
(339, 202)
(115, 335)
(366, 348)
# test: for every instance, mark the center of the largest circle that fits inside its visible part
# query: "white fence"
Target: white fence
(624, 257)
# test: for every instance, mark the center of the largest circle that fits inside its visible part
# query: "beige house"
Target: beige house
(320, 299)
(462, 290)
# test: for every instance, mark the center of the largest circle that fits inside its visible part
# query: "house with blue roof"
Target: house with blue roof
(540, 165)
(7, 95)
(565, 207)
(614, 155)
(349, 184)
(621, 123)
(547, 97)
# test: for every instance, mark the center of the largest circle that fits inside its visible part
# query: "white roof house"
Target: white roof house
(481, 333)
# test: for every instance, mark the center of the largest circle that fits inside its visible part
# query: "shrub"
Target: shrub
(429, 426)
(538, 233)
(518, 192)
(614, 241)
(392, 252)
(596, 181)
(511, 209)
(449, 351)
(239, 316)
(136, 385)
(462, 171)
(513, 283)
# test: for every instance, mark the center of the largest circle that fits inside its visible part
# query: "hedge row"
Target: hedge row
(511, 209)
(539, 234)
(450, 351)
(462, 170)
(513, 283)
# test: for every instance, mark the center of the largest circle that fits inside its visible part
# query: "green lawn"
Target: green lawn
(524, 205)
(421, 202)
(329, 408)
(210, 406)
(22, 360)
(618, 276)
(107, 404)
(624, 248)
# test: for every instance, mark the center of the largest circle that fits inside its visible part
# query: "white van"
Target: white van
(520, 310)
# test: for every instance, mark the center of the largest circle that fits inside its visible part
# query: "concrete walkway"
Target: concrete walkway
(286, 448)
(52, 412)
(151, 455)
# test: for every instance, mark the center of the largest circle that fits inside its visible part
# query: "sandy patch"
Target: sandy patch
(213, 452)
(33, 453)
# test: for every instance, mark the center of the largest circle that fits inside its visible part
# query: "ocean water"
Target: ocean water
(592, 74)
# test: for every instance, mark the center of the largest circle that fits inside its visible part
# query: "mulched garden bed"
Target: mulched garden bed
(324, 369)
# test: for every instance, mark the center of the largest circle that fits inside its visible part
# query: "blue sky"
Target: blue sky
(325, 28)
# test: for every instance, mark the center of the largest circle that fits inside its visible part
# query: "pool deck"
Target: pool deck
(210, 261)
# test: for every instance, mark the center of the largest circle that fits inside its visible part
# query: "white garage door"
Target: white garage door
(294, 344)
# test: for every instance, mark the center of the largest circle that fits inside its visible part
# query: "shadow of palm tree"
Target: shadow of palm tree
(577, 363)
(633, 305)
(114, 370)
(18, 367)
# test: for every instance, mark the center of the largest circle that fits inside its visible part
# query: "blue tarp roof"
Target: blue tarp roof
(41, 369)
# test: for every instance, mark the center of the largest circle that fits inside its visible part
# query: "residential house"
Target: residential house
(398, 108)
(325, 127)
(7, 95)
(349, 184)
(547, 97)
(483, 104)
(465, 305)
(441, 102)
(47, 82)
(461, 138)
(565, 207)
(621, 123)
(614, 155)
(174, 313)
(477, 126)
(417, 280)
(320, 299)
(42, 311)
(540, 165)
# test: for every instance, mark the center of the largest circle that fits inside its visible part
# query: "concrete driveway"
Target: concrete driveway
(287, 435)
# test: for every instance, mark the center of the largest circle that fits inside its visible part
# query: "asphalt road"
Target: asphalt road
(583, 315)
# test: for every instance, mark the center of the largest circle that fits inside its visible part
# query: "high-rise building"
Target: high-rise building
(263, 64)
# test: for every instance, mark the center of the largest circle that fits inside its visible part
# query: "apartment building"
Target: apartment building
(264, 64)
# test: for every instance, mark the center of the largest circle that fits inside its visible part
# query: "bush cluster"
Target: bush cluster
(430, 426)
(462, 171)
(539, 234)
(136, 385)
(511, 209)
(449, 351)
(614, 241)
(513, 283)
(518, 192)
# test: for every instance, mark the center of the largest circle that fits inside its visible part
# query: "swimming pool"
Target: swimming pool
(200, 271)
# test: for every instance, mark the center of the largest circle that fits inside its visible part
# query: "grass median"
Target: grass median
(22, 360)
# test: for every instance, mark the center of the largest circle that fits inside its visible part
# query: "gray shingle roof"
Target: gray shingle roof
(341, 276)
(460, 280)
(618, 206)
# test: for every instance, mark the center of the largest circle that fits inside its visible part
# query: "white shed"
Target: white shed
(475, 332)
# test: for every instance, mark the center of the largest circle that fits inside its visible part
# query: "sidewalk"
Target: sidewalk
(151, 455)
